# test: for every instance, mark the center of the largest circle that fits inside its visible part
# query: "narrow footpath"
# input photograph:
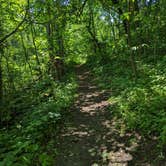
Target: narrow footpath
(93, 138)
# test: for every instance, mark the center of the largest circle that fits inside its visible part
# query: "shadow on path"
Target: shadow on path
(93, 137)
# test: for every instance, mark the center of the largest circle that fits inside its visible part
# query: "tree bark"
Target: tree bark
(129, 42)
(1, 77)
(36, 53)
(52, 68)
(26, 54)
(1, 72)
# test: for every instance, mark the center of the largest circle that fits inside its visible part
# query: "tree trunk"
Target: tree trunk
(60, 52)
(36, 53)
(1, 76)
(129, 42)
(1, 72)
(52, 66)
(26, 54)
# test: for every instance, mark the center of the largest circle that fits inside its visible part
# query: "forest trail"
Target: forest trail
(92, 138)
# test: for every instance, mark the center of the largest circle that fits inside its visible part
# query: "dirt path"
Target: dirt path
(93, 138)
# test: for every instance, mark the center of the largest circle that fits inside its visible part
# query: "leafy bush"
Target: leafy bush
(141, 103)
(30, 140)
(142, 106)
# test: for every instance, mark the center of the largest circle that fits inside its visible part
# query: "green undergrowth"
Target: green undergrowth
(140, 102)
(38, 113)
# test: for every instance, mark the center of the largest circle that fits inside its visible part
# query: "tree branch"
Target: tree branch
(82, 8)
(15, 30)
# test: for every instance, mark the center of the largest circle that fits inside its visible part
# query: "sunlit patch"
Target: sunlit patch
(119, 157)
(95, 106)
(96, 138)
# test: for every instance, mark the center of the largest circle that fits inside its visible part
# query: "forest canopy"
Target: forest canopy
(42, 43)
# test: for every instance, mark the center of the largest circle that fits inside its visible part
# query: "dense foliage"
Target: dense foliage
(41, 41)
